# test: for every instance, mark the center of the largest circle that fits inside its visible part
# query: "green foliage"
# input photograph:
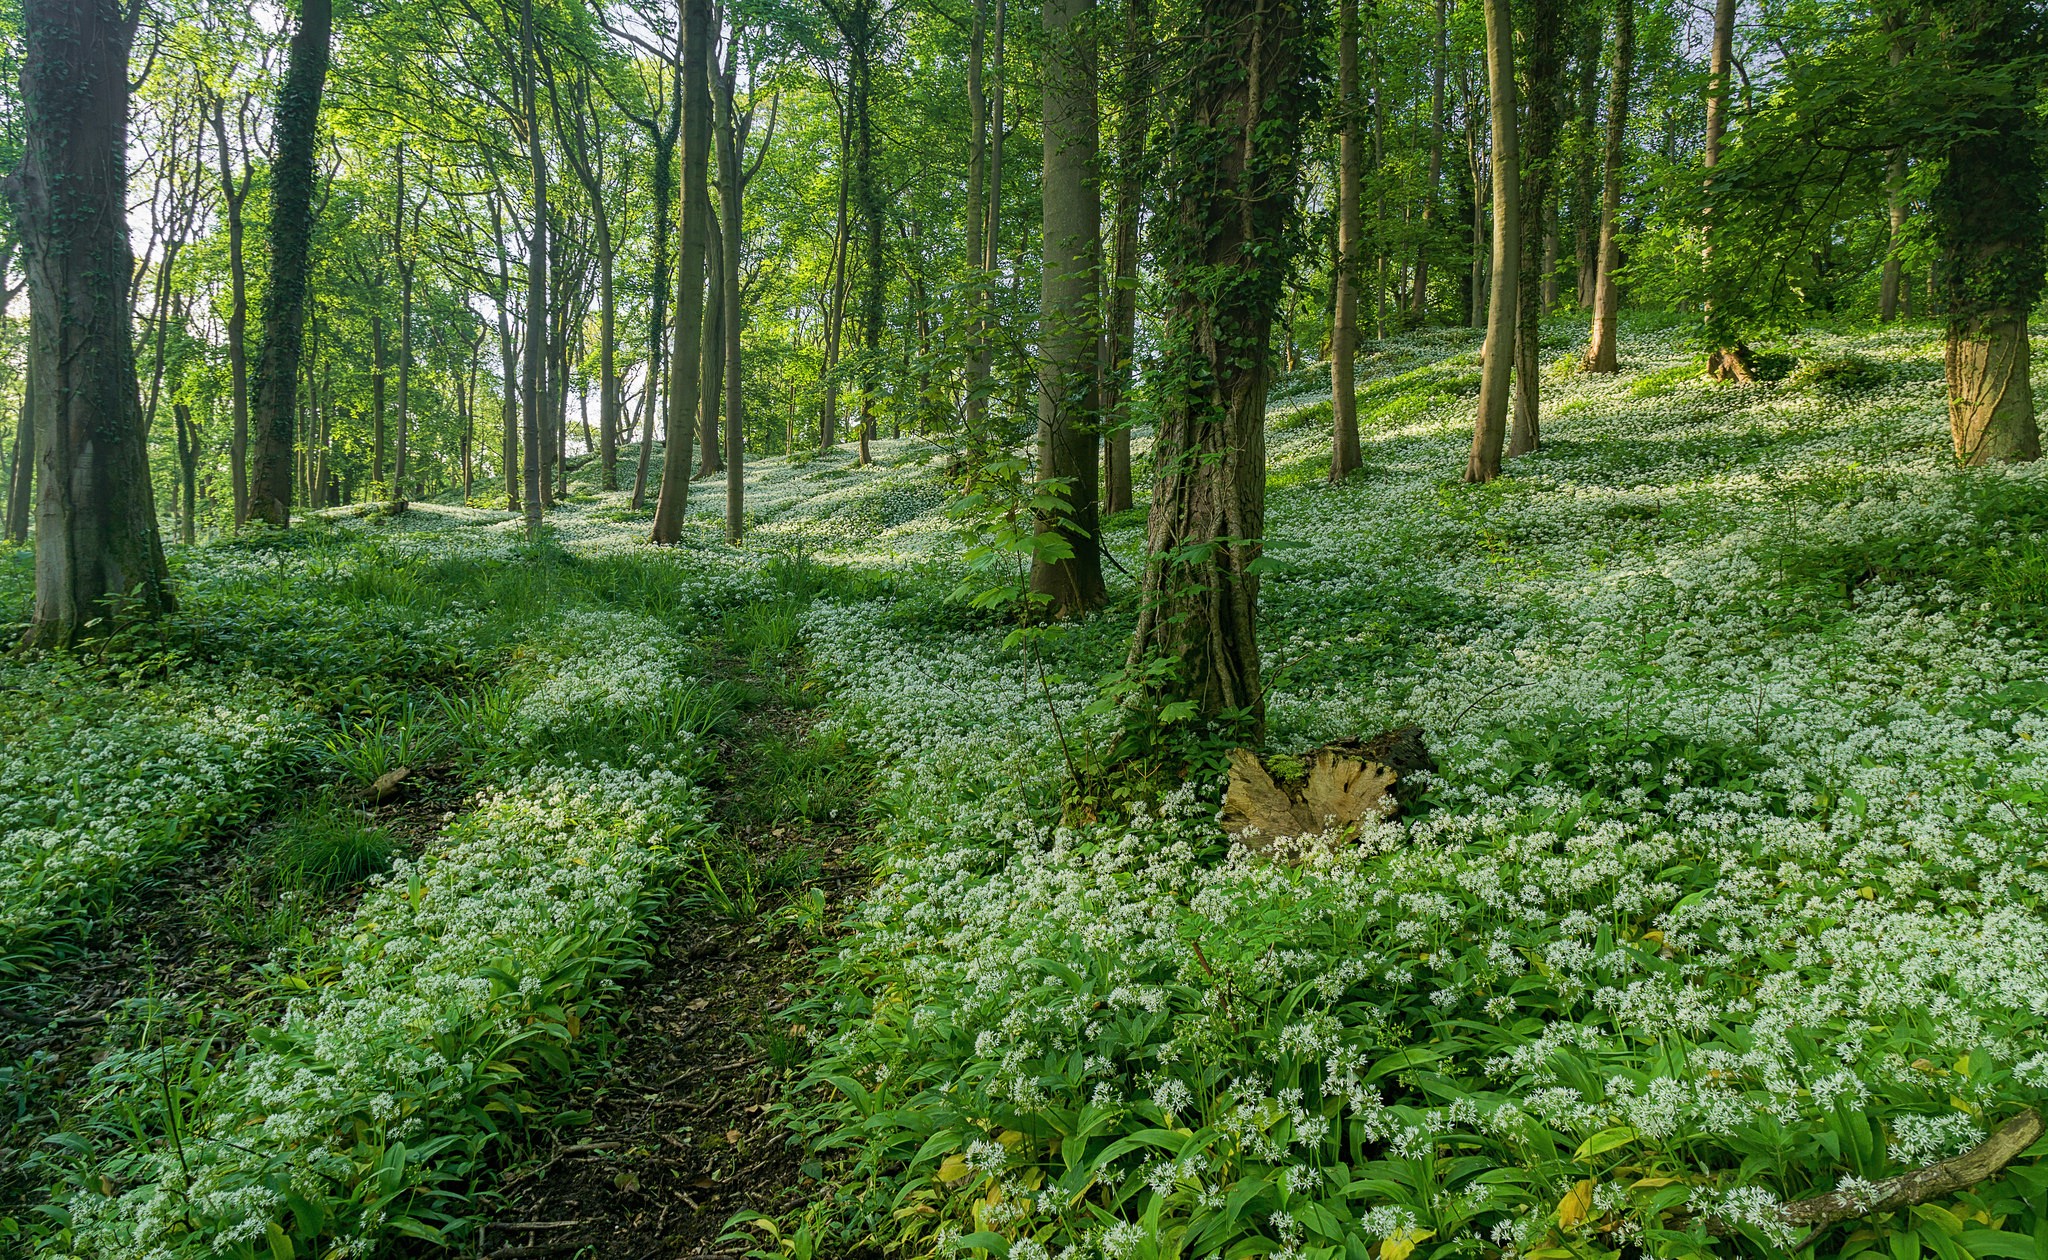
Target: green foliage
(1838, 374)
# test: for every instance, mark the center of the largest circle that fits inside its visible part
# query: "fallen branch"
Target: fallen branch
(1981, 1161)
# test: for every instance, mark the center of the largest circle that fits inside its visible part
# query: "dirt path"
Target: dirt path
(679, 1134)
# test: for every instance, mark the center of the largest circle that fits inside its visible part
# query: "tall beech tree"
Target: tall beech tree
(1134, 120)
(1599, 356)
(99, 560)
(1231, 166)
(291, 241)
(1489, 429)
(1542, 113)
(1344, 454)
(685, 364)
(1069, 330)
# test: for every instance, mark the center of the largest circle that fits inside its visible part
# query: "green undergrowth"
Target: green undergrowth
(1727, 891)
(410, 1014)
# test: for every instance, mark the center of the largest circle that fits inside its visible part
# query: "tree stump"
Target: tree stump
(1326, 792)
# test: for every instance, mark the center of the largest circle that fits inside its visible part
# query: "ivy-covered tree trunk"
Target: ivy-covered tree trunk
(1600, 356)
(1489, 429)
(1069, 394)
(1543, 110)
(685, 364)
(1988, 220)
(711, 370)
(295, 132)
(99, 560)
(21, 479)
(1231, 171)
(1344, 454)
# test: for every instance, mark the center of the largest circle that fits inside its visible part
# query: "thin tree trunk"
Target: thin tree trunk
(233, 194)
(1232, 174)
(509, 361)
(1489, 429)
(1418, 303)
(296, 130)
(533, 410)
(404, 325)
(1537, 152)
(1135, 121)
(711, 369)
(1586, 184)
(188, 471)
(99, 560)
(1069, 397)
(975, 405)
(685, 363)
(1730, 358)
(657, 316)
(1344, 453)
(1600, 355)
(22, 479)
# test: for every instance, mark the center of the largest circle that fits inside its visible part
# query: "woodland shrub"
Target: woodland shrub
(1729, 889)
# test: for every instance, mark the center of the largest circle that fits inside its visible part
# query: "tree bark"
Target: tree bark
(99, 560)
(533, 411)
(1418, 303)
(1121, 345)
(1344, 453)
(1489, 429)
(1586, 181)
(291, 237)
(233, 193)
(1069, 397)
(508, 358)
(711, 370)
(1542, 110)
(1988, 221)
(1730, 358)
(1600, 356)
(1232, 173)
(188, 471)
(22, 477)
(685, 362)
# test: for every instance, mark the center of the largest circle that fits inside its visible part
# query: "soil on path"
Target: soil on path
(680, 1132)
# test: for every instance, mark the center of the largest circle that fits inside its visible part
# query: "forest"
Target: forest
(1138, 630)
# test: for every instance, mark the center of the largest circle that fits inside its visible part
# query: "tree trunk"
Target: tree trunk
(1121, 346)
(1489, 429)
(533, 410)
(1987, 217)
(685, 362)
(1600, 355)
(1418, 304)
(22, 477)
(1895, 196)
(188, 471)
(508, 358)
(295, 132)
(711, 370)
(732, 180)
(1542, 109)
(1344, 453)
(860, 97)
(1586, 181)
(975, 404)
(835, 315)
(99, 560)
(233, 193)
(1730, 358)
(1069, 398)
(1232, 173)
(657, 313)
(399, 461)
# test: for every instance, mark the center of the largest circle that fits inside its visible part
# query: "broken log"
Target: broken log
(1327, 791)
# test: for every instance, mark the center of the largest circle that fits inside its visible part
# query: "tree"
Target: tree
(1489, 430)
(684, 361)
(1988, 221)
(1344, 455)
(1543, 104)
(1134, 120)
(1231, 171)
(290, 239)
(1599, 355)
(99, 560)
(1728, 358)
(1069, 578)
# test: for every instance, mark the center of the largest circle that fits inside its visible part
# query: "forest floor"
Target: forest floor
(737, 904)
(676, 1128)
